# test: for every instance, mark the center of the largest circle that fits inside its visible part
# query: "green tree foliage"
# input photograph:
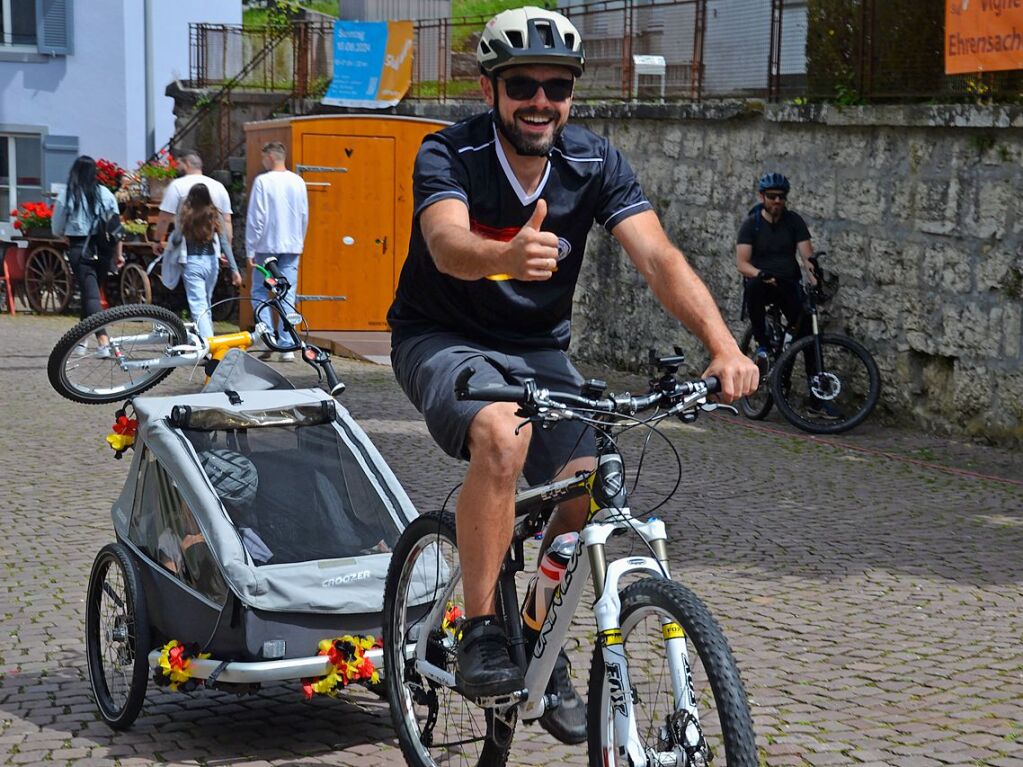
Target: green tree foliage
(858, 49)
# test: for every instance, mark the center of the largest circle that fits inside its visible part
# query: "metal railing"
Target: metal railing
(844, 50)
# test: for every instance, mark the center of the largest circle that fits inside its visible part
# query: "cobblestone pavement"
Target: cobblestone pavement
(870, 586)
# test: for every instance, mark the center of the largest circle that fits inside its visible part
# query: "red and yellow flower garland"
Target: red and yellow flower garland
(348, 663)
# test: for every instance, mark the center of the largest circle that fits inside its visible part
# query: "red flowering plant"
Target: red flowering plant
(163, 165)
(109, 174)
(32, 215)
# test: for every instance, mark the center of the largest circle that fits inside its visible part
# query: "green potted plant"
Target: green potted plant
(135, 229)
(158, 172)
(33, 219)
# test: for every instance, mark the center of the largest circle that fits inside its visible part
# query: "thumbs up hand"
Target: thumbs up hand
(533, 254)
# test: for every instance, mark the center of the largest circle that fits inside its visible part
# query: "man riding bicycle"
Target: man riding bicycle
(504, 202)
(769, 241)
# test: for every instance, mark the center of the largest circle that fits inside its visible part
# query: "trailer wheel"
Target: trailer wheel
(117, 636)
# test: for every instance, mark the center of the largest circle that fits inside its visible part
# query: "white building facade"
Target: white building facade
(88, 77)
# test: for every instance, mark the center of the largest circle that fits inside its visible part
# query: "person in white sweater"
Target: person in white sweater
(275, 225)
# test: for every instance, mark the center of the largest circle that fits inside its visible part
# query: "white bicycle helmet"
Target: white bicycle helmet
(232, 475)
(529, 35)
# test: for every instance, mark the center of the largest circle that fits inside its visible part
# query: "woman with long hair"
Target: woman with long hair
(202, 227)
(81, 209)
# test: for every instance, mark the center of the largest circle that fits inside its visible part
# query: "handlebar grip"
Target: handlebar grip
(334, 385)
(488, 392)
(713, 384)
(493, 393)
(271, 266)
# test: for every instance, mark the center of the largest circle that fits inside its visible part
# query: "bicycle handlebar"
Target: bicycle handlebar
(532, 398)
(277, 285)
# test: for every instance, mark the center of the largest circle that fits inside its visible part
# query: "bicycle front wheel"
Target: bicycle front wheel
(829, 397)
(702, 717)
(82, 369)
(435, 724)
(757, 405)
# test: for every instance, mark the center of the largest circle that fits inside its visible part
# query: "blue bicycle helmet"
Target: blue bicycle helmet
(773, 180)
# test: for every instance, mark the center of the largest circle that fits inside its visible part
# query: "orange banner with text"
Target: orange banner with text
(983, 35)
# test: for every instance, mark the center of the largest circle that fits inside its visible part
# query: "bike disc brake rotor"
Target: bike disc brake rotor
(825, 386)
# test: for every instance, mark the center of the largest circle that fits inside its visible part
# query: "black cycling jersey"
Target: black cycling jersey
(586, 180)
(774, 244)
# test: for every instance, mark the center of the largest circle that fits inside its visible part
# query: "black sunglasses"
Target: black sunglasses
(773, 196)
(524, 88)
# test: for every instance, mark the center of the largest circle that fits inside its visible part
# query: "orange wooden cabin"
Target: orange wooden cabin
(358, 172)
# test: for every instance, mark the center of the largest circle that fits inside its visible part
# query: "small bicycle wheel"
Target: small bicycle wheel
(47, 280)
(834, 398)
(435, 724)
(135, 285)
(757, 405)
(117, 636)
(83, 370)
(696, 713)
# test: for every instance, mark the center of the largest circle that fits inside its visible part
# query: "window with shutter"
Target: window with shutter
(17, 24)
(53, 26)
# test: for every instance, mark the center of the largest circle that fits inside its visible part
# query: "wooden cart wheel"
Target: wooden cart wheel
(47, 280)
(135, 285)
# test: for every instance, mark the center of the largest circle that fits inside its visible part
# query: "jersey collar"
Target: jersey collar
(525, 199)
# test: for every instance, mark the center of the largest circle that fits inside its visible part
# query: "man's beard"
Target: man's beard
(528, 145)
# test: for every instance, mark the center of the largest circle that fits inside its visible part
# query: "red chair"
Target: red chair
(13, 272)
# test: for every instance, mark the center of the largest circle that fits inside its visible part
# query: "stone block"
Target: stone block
(992, 266)
(893, 262)
(672, 143)
(937, 205)
(968, 330)
(862, 201)
(1010, 317)
(987, 213)
(946, 267)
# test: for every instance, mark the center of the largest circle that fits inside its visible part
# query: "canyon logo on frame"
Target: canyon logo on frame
(983, 36)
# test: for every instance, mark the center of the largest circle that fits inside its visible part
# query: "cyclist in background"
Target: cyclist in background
(773, 254)
(504, 202)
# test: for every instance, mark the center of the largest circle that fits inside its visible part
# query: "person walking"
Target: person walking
(178, 189)
(197, 232)
(82, 207)
(275, 226)
(503, 204)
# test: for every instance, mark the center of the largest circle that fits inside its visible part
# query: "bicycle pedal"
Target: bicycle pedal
(500, 701)
(551, 701)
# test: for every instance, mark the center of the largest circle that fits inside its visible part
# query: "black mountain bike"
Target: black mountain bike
(823, 383)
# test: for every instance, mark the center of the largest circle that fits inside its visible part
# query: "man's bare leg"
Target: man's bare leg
(485, 515)
(485, 512)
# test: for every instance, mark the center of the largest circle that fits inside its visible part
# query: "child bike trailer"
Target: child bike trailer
(253, 537)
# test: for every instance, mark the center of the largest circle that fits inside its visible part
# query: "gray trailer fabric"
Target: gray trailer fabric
(316, 533)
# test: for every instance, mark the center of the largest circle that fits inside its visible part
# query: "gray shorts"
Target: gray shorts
(426, 367)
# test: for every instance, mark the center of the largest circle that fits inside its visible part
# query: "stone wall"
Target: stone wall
(920, 210)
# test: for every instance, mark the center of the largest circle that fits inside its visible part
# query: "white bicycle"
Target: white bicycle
(664, 688)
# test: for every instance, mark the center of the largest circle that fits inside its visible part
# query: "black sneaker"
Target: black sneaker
(566, 722)
(485, 669)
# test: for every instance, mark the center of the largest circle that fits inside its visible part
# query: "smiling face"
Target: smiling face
(530, 122)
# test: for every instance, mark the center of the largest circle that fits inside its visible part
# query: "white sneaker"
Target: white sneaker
(287, 356)
(103, 352)
(80, 350)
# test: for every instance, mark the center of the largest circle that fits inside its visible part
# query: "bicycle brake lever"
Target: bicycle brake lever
(710, 407)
